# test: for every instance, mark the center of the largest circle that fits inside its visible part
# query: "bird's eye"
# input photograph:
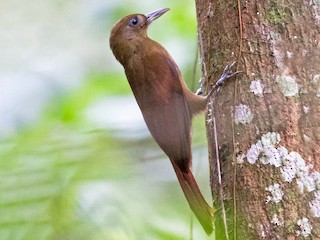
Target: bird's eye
(133, 21)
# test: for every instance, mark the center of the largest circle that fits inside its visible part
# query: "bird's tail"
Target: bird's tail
(198, 204)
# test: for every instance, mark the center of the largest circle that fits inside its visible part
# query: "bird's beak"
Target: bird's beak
(156, 14)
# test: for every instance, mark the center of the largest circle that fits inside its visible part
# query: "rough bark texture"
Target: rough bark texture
(268, 119)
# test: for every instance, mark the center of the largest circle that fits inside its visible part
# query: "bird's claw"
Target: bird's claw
(227, 74)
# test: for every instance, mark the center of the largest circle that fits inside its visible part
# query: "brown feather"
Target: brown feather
(166, 103)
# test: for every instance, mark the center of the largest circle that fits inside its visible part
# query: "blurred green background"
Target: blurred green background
(77, 161)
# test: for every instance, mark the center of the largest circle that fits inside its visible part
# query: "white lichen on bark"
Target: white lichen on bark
(276, 220)
(276, 193)
(256, 87)
(240, 158)
(268, 151)
(315, 205)
(287, 85)
(243, 114)
(265, 151)
(270, 139)
(316, 78)
(305, 227)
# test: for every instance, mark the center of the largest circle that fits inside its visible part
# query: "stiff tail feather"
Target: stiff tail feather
(194, 197)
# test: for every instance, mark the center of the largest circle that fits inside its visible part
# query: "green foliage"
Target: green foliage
(41, 174)
(62, 178)
(96, 85)
(46, 168)
(183, 19)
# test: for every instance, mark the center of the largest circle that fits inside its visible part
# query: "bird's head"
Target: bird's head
(132, 27)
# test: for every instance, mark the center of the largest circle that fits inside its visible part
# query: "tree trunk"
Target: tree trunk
(267, 121)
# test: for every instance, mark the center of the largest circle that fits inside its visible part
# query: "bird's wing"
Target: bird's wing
(160, 96)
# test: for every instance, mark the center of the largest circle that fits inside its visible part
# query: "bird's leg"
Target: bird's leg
(226, 74)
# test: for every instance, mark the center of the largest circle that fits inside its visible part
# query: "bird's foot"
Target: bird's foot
(226, 74)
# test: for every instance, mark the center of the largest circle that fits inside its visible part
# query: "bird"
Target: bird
(166, 103)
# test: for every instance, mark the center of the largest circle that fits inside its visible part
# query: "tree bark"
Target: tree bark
(267, 121)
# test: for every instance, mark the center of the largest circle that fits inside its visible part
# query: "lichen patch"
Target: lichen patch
(243, 114)
(287, 85)
(305, 227)
(256, 87)
(276, 193)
